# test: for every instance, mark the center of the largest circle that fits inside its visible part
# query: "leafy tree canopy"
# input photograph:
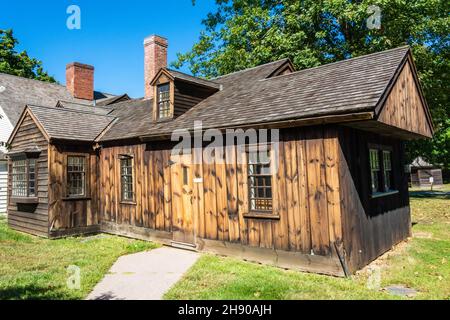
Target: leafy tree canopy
(245, 33)
(19, 63)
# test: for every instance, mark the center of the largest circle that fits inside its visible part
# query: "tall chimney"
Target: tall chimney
(155, 58)
(80, 80)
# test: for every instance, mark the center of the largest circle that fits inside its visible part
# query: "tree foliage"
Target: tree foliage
(245, 33)
(19, 63)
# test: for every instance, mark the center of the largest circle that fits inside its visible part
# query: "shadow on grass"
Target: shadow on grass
(435, 194)
(29, 292)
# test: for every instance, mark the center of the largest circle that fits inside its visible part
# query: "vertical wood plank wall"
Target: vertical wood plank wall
(305, 192)
(27, 217)
(371, 226)
(153, 203)
(404, 108)
(64, 213)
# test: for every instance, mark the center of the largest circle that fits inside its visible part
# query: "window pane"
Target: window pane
(19, 178)
(387, 164)
(126, 178)
(260, 181)
(76, 175)
(164, 101)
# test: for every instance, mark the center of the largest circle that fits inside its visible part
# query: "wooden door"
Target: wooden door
(182, 200)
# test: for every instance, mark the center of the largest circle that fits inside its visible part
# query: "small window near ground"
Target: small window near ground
(76, 176)
(126, 178)
(260, 181)
(164, 101)
(23, 178)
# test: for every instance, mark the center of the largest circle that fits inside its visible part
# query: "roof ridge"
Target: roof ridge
(335, 62)
(248, 69)
(84, 105)
(190, 75)
(69, 110)
(36, 80)
(56, 84)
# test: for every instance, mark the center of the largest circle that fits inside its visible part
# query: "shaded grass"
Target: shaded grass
(423, 263)
(35, 268)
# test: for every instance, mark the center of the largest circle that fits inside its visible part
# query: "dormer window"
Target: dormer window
(163, 95)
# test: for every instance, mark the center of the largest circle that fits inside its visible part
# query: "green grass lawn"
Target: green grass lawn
(422, 263)
(35, 268)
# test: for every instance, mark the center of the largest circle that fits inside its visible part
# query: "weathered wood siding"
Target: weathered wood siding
(305, 194)
(78, 213)
(187, 95)
(421, 177)
(152, 207)
(371, 226)
(404, 108)
(31, 218)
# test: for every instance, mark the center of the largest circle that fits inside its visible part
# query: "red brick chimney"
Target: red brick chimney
(80, 80)
(155, 58)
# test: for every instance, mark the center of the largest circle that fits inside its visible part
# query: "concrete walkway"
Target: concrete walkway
(145, 275)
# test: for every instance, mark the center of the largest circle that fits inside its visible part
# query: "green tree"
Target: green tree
(245, 33)
(19, 63)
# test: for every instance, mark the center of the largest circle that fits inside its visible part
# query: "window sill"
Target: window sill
(261, 215)
(30, 200)
(383, 194)
(129, 203)
(75, 198)
(166, 119)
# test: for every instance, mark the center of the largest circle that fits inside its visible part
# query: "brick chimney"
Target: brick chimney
(80, 80)
(155, 58)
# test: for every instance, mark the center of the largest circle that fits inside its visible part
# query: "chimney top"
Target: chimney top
(155, 58)
(79, 65)
(80, 80)
(154, 38)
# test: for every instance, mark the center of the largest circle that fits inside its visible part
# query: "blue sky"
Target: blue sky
(111, 35)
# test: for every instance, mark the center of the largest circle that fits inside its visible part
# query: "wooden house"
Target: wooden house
(424, 174)
(332, 196)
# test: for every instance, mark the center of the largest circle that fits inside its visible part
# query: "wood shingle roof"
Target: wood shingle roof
(249, 97)
(67, 124)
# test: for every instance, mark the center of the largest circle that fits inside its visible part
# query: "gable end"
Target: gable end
(404, 106)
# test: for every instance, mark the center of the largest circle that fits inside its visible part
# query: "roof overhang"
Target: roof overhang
(329, 119)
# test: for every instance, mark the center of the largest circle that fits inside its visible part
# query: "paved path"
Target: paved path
(145, 275)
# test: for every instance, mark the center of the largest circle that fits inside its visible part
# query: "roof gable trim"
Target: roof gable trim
(27, 111)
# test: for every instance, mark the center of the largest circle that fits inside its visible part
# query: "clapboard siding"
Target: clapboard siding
(371, 226)
(3, 186)
(188, 95)
(23, 217)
